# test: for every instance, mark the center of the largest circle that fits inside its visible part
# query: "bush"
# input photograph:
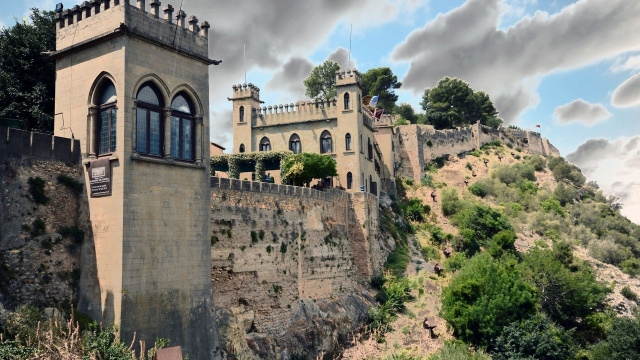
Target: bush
(415, 210)
(515, 174)
(392, 297)
(73, 232)
(430, 253)
(484, 221)
(486, 295)
(553, 205)
(73, 184)
(398, 260)
(450, 202)
(538, 162)
(535, 338)
(468, 166)
(36, 189)
(502, 242)
(38, 227)
(477, 190)
(631, 266)
(608, 251)
(629, 294)
(456, 350)
(623, 341)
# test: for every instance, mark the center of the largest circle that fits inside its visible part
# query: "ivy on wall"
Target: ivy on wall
(257, 162)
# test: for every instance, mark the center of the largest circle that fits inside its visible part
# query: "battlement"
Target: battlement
(97, 19)
(39, 146)
(242, 91)
(347, 77)
(294, 113)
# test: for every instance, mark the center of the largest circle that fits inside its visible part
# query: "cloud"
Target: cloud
(581, 112)
(220, 121)
(628, 93)
(290, 77)
(631, 63)
(615, 166)
(467, 43)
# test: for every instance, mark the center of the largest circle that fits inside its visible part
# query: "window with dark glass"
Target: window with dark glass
(347, 141)
(349, 180)
(241, 148)
(294, 144)
(369, 148)
(361, 144)
(325, 142)
(241, 114)
(359, 103)
(182, 128)
(265, 144)
(149, 127)
(107, 120)
(346, 101)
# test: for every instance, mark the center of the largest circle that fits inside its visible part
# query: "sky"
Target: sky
(572, 67)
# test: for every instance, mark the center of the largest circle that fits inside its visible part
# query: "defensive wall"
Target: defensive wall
(417, 145)
(275, 245)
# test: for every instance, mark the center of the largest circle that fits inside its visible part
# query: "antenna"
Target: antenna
(175, 33)
(350, 32)
(245, 62)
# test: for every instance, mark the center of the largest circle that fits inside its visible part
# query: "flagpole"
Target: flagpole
(350, 33)
(245, 62)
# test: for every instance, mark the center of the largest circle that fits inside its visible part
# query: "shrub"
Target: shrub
(484, 221)
(468, 166)
(73, 232)
(392, 297)
(538, 162)
(430, 253)
(565, 194)
(73, 184)
(502, 243)
(553, 205)
(623, 340)
(457, 350)
(486, 295)
(398, 260)
(535, 338)
(283, 247)
(427, 180)
(477, 190)
(628, 293)
(450, 202)
(38, 227)
(415, 210)
(631, 266)
(608, 251)
(36, 189)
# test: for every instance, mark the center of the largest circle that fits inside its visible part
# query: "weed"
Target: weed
(38, 227)
(71, 183)
(36, 189)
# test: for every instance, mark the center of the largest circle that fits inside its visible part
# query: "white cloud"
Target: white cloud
(615, 165)
(581, 112)
(631, 63)
(628, 93)
(467, 43)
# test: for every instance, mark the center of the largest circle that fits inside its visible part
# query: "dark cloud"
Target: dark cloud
(289, 79)
(467, 43)
(341, 56)
(581, 112)
(628, 93)
(221, 128)
(592, 150)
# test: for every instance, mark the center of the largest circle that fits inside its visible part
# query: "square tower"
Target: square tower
(133, 87)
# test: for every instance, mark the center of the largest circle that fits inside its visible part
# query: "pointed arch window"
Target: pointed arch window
(241, 148)
(349, 180)
(107, 119)
(347, 141)
(149, 124)
(325, 142)
(241, 117)
(294, 144)
(182, 128)
(346, 101)
(265, 144)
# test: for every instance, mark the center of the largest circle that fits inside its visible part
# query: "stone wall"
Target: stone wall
(38, 266)
(273, 246)
(417, 145)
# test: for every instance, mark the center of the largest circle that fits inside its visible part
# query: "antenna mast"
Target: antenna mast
(350, 32)
(245, 62)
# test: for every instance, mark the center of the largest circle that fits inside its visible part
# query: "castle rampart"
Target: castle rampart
(38, 146)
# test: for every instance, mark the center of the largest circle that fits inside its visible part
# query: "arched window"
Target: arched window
(241, 148)
(347, 141)
(346, 101)
(182, 128)
(149, 129)
(241, 114)
(349, 180)
(325, 142)
(294, 144)
(107, 119)
(265, 144)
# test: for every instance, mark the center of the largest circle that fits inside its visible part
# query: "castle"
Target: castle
(132, 111)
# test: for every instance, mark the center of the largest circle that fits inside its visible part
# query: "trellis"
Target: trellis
(256, 162)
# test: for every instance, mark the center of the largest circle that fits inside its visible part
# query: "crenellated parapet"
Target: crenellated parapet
(302, 111)
(96, 19)
(243, 91)
(348, 77)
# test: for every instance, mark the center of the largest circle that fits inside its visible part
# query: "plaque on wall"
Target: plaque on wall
(100, 177)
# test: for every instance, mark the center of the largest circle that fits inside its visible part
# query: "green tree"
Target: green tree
(623, 341)
(483, 221)
(321, 83)
(531, 339)
(568, 290)
(302, 168)
(406, 112)
(485, 296)
(382, 82)
(453, 103)
(27, 77)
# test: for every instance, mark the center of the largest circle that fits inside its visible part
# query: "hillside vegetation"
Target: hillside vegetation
(540, 265)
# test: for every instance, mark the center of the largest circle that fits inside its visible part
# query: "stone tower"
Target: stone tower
(246, 99)
(133, 86)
